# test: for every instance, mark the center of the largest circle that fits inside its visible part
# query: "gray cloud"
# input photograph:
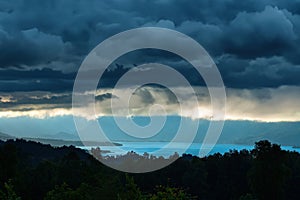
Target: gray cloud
(29, 47)
(255, 43)
(28, 101)
(257, 73)
(259, 34)
(266, 104)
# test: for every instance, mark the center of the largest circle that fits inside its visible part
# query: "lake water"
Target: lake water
(154, 148)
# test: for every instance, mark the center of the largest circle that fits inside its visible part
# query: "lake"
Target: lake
(154, 147)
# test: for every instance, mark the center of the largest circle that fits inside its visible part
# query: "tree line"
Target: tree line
(31, 170)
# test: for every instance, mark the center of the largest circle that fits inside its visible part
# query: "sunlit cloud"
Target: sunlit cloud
(39, 114)
(266, 104)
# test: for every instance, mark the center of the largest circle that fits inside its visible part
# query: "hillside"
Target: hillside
(71, 173)
(4, 136)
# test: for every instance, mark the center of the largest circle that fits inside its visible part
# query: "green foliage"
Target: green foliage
(65, 192)
(8, 164)
(131, 190)
(170, 193)
(269, 174)
(62, 192)
(9, 192)
(35, 171)
(247, 197)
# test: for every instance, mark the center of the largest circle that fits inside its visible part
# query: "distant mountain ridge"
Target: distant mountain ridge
(234, 132)
(249, 132)
(58, 142)
(4, 136)
(63, 136)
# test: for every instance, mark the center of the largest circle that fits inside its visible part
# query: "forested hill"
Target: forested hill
(31, 170)
(4, 136)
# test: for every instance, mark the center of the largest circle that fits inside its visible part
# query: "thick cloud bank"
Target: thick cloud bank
(271, 105)
(255, 45)
(55, 36)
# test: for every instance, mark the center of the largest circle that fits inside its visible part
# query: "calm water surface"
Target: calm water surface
(154, 148)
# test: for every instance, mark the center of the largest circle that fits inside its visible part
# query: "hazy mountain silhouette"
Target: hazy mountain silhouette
(63, 136)
(234, 132)
(4, 136)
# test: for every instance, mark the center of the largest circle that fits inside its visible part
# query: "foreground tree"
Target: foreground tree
(9, 193)
(269, 174)
(131, 190)
(171, 193)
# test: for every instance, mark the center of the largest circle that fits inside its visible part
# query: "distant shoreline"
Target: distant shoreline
(58, 142)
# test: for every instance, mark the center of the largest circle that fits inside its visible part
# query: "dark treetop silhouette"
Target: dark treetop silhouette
(31, 170)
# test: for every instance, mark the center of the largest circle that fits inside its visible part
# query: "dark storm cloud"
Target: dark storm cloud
(35, 80)
(258, 34)
(146, 95)
(36, 85)
(35, 100)
(260, 72)
(29, 47)
(103, 97)
(45, 73)
(26, 101)
(254, 43)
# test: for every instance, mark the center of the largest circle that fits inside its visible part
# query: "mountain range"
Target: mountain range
(234, 132)
(4, 136)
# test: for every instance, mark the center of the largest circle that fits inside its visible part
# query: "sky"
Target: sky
(255, 45)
